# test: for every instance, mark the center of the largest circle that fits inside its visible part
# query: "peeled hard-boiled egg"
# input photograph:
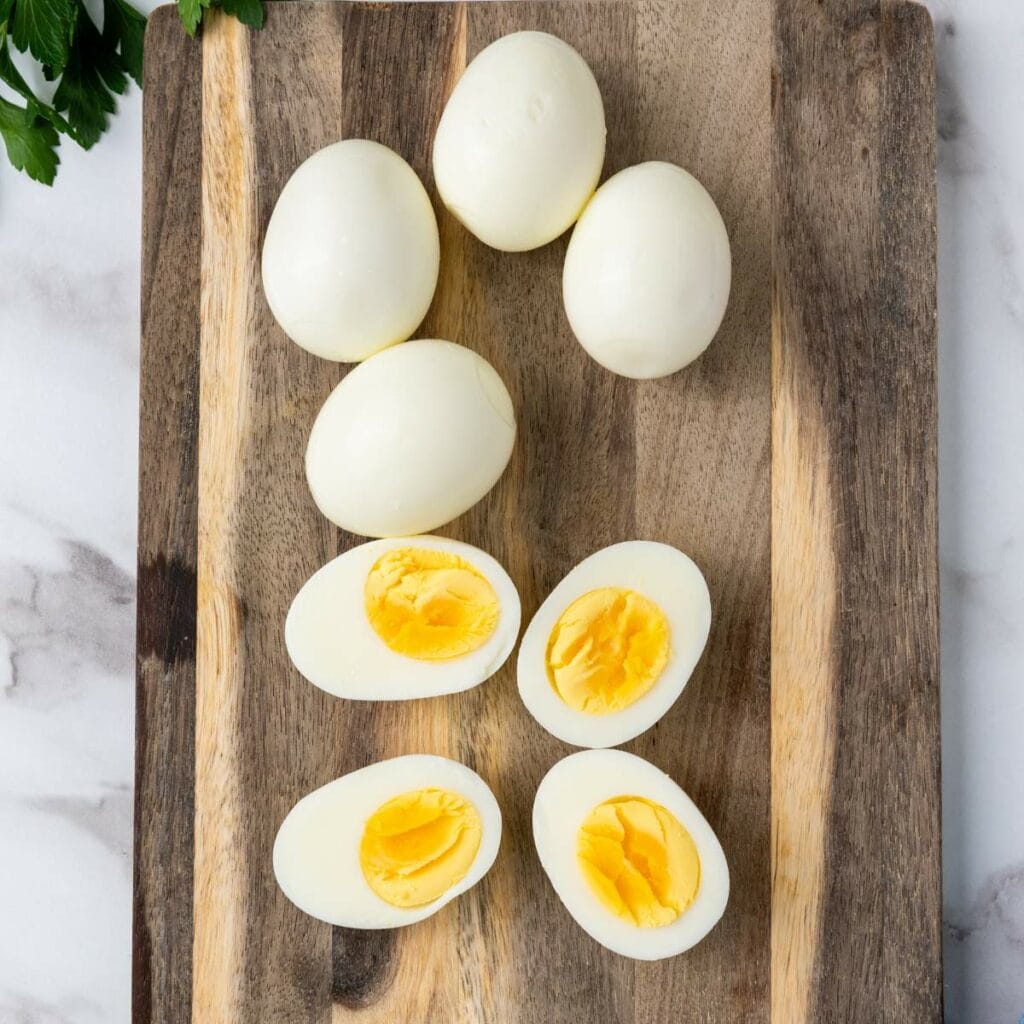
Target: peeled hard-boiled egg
(613, 645)
(520, 144)
(403, 618)
(629, 854)
(647, 272)
(410, 439)
(389, 844)
(351, 256)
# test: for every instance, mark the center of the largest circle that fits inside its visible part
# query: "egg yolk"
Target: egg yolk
(418, 845)
(639, 861)
(430, 605)
(607, 650)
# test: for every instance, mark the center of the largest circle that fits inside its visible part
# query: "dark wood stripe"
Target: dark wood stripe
(907, 671)
(703, 442)
(569, 490)
(294, 737)
(393, 89)
(165, 656)
(854, 261)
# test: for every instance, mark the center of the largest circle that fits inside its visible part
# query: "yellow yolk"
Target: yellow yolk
(418, 845)
(430, 605)
(639, 860)
(607, 650)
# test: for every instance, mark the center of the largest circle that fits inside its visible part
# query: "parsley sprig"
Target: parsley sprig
(90, 65)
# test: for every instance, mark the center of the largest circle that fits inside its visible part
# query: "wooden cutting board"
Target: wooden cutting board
(795, 461)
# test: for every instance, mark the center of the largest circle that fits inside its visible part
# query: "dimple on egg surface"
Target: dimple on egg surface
(521, 141)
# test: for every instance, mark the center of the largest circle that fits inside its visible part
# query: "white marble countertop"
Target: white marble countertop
(68, 418)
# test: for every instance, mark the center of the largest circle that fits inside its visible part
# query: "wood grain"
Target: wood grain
(742, 459)
(229, 284)
(168, 425)
(855, 760)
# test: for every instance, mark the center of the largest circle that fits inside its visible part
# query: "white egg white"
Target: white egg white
(331, 642)
(352, 252)
(520, 144)
(647, 271)
(567, 794)
(316, 852)
(410, 440)
(659, 572)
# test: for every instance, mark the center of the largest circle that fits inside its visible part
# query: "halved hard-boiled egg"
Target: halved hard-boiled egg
(613, 645)
(410, 439)
(389, 844)
(403, 618)
(629, 854)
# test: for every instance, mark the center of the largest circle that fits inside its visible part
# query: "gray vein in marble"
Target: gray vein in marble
(80, 299)
(956, 155)
(20, 1008)
(1010, 290)
(961, 153)
(1000, 906)
(984, 954)
(106, 819)
(55, 621)
(950, 115)
(973, 587)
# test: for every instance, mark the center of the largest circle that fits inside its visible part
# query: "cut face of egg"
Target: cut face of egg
(647, 271)
(390, 844)
(410, 439)
(613, 645)
(629, 854)
(520, 144)
(351, 256)
(403, 618)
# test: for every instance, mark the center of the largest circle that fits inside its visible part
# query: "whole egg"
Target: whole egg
(647, 272)
(410, 440)
(351, 254)
(520, 145)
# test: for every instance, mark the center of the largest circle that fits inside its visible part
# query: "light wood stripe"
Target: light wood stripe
(229, 279)
(804, 580)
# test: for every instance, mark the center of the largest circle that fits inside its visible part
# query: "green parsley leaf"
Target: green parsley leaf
(45, 28)
(91, 78)
(124, 28)
(30, 140)
(93, 68)
(191, 12)
(248, 12)
(10, 75)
